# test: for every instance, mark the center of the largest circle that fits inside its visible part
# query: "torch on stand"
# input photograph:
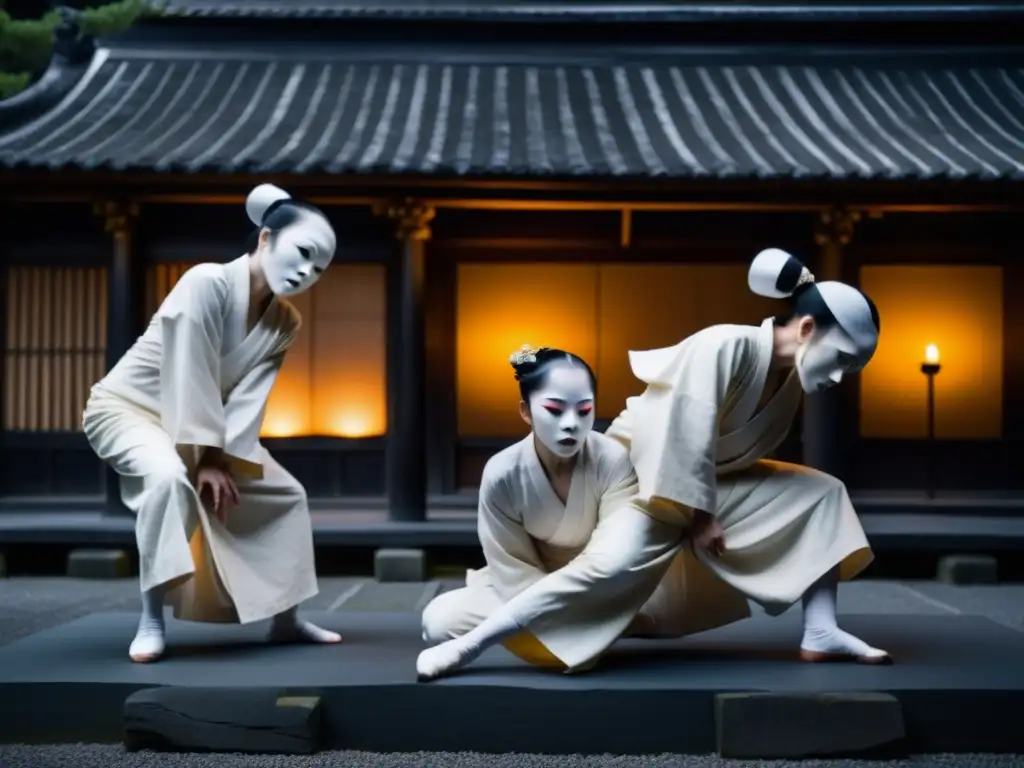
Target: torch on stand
(930, 368)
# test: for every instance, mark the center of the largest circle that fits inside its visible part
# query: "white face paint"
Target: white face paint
(562, 410)
(297, 255)
(822, 361)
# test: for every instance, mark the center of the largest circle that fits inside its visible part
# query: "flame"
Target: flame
(931, 354)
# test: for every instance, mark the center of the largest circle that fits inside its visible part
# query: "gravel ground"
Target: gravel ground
(93, 756)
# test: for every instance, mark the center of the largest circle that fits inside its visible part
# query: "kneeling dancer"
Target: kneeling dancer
(715, 406)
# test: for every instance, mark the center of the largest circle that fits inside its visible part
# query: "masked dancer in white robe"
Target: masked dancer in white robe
(715, 406)
(223, 530)
(540, 501)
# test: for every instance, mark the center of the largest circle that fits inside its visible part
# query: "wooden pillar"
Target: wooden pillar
(406, 460)
(824, 438)
(123, 303)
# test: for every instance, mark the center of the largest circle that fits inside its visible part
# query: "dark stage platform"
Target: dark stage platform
(934, 528)
(960, 680)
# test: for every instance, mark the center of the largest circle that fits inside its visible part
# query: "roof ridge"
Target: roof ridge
(592, 10)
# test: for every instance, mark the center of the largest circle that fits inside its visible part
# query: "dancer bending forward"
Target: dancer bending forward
(715, 405)
(223, 530)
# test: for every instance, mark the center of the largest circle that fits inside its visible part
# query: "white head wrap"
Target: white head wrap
(777, 274)
(260, 199)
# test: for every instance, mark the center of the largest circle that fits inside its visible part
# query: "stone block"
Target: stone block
(99, 564)
(390, 565)
(250, 720)
(968, 569)
(766, 726)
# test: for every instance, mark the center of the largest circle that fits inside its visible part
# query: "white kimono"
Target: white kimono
(198, 378)
(528, 535)
(695, 440)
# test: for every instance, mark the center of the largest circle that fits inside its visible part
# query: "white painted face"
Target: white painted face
(298, 254)
(823, 360)
(562, 411)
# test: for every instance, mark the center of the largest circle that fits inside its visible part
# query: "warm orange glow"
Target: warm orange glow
(281, 425)
(288, 412)
(348, 352)
(931, 354)
(333, 381)
(499, 308)
(956, 308)
(600, 312)
(647, 306)
(354, 424)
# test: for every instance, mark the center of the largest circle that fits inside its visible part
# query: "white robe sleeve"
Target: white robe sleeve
(675, 432)
(192, 325)
(244, 409)
(618, 484)
(513, 563)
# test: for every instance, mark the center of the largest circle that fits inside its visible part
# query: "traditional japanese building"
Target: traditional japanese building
(595, 178)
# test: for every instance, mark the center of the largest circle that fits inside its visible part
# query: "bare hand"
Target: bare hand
(707, 534)
(216, 485)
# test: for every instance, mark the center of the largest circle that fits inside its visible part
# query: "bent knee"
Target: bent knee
(440, 621)
(825, 483)
(170, 477)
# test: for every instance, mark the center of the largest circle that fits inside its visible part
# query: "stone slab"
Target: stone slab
(767, 726)
(400, 565)
(255, 721)
(967, 570)
(960, 680)
(99, 564)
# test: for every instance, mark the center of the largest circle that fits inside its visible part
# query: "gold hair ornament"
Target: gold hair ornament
(806, 276)
(525, 354)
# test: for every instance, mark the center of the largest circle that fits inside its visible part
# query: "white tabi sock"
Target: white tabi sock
(287, 627)
(148, 644)
(822, 634)
(449, 656)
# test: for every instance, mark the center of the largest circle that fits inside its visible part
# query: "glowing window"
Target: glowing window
(333, 381)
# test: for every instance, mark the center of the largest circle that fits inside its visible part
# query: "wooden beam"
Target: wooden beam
(617, 204)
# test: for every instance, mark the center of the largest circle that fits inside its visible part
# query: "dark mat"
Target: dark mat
(960, 680)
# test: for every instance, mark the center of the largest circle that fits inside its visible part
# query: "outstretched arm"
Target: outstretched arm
(579, 610)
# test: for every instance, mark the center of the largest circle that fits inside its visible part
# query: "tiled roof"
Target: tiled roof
(609, 10)
(269, 115)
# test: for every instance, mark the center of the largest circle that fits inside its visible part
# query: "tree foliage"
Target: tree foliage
(26, 44)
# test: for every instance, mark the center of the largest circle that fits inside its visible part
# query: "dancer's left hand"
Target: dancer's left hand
(219, 486)
(707, 534)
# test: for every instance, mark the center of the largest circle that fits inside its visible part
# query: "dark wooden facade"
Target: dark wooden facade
(419, 229)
